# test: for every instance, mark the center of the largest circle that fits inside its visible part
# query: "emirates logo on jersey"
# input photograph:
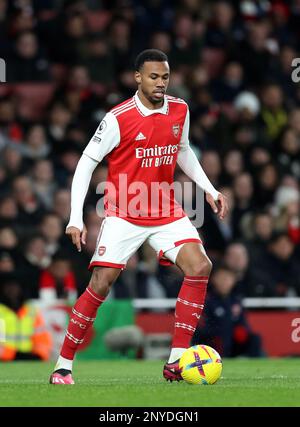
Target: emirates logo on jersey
(176, 129)
(101, 250)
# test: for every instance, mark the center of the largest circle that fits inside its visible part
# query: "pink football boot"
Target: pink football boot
(172, 372)
(59, 378)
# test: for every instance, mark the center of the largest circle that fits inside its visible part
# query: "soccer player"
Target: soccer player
(142, 138)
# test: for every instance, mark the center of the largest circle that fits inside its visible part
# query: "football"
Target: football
(200, 364)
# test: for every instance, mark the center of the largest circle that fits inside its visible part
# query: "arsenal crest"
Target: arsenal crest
(101, 250)
(176, 129)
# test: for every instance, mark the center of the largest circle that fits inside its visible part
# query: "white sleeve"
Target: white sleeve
(184, 141)
(105, 139)
(80, 185)
(189, 163)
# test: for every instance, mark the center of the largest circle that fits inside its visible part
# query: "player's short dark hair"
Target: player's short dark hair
(151, 55)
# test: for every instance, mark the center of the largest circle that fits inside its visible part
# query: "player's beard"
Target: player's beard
(157, 102)
(154, 101)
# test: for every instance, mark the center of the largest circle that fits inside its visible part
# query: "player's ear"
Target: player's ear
(137, 76)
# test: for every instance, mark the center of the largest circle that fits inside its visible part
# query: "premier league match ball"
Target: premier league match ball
(200, 364)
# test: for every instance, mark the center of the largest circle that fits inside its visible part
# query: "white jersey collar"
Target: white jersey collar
(146, 111)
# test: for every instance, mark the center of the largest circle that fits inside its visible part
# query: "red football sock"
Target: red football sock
(189, 307)
(83, 316)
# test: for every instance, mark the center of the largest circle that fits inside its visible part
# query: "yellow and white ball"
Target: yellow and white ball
(200, 364)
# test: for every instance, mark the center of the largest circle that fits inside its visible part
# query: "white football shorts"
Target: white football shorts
(119, 239)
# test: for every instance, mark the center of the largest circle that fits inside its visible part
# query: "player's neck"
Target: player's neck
(148, 104)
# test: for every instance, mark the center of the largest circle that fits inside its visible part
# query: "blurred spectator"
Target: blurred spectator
(247, 105)
(119, 37)
(280, 13)
(3, 27)
(162, 40)
(218, 234)
(248, 129)
(8, 238)
(67, 163)
(233, 165)
(260, 228)
(248, 281)
(280, 265)
(224, 325)
(34, 260)
(187, 46)
(227, 88)
(267, 182)
(26, 334)
(211, 164)
(10, 129)
(156, 281)
(71, 39)
(30, 210)
(51, 228)
(221, 32)
(151, 16)
(78, 95)
(288, 218)
(282, 71)
(293, 121)
(177, 86)
(289, 153)
(243, 193)
(58, 280)
(254, 53)
(12, 158)
(28, 62)
(7, 262)
(35, 145)
(259, 156)
(273, 112)
(62, 204)
(8, 211)
(23, 20)
(43, 182)
(99, 62)
(171, 278)
(58, 121)
(126, 285)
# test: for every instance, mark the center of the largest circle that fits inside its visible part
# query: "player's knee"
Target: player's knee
(101, 281)
(200, 267)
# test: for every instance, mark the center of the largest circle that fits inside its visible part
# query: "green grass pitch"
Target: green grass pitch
(244, 382)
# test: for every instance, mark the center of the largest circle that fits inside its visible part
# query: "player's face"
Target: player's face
(153, 80)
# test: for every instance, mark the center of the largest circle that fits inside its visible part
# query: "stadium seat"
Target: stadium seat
(32, 99)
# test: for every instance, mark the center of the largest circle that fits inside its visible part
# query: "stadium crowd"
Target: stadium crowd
(68, 62)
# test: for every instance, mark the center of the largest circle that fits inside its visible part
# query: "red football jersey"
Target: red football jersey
(141, 168)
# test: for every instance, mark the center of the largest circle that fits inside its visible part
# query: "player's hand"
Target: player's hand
(77, 236)
(219, 206)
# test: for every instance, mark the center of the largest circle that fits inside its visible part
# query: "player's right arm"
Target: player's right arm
(104, 140)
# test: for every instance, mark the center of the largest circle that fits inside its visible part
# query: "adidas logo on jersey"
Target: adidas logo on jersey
(140, 137)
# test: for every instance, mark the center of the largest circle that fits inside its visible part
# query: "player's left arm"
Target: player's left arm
(190, 165)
